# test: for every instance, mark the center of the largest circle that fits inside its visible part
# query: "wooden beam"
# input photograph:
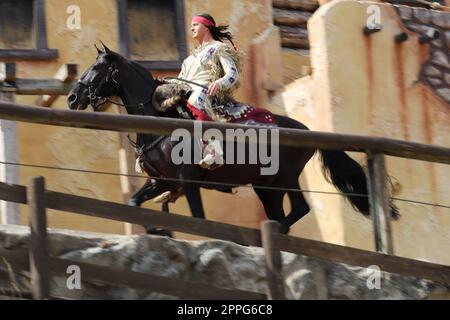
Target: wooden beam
(28, 54)
(38, 87)
(7, 72)
(39, 268)
(157, 125)
(16, 294)
(90, 272)
(146, 281)
(143, 216)
(17, 258)
(357, 257)
(270, 230)
(66, 74)
(379, 203)
(306, 5)
(291, 17)
(340, 254)
(294, 37)
(13, 193)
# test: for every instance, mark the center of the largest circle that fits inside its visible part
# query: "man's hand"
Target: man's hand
(159, 81)
(214, 88)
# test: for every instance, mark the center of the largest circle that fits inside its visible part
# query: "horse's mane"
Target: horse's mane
(136, 67)
(140, 70)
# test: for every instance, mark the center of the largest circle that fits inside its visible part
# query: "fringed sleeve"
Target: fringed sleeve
(226, 68)
(231, 77)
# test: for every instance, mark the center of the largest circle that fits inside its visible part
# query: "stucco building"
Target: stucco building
(335, 79)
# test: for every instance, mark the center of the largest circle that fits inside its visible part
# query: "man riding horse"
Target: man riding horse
(215, 67)
(212, 73)
(208, 78)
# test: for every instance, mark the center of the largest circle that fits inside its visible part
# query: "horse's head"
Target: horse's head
(97, 83)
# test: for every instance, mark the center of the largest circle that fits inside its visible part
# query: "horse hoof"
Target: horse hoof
(159, 232)
(284, 229)
(163, 197)
(132, 202)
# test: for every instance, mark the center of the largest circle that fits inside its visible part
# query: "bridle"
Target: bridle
(92, 95)
(112, 74)
(93, 87)
(114, 77)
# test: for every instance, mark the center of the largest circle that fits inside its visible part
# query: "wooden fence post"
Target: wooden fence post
(379, 203)
(270, 230)
(39, 265)
(9, 211)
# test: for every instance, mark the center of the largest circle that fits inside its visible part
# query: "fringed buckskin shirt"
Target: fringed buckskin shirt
(213, 61)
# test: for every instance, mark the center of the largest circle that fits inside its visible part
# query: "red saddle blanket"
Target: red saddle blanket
(238, 113)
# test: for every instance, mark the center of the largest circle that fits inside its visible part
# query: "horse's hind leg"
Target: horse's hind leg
(272, 201)
(194, 198)
(299, 209)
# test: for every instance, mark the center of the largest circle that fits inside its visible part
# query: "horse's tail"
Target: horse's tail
(349, 177)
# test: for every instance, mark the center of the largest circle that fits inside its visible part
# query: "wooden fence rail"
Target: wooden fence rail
(165, 126)
(273, 244)
(375, 148)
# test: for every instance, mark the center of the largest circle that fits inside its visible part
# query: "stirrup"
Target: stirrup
(208, 162)
(163, 197)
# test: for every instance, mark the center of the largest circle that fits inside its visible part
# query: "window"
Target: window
(153, 32)
(22, 30)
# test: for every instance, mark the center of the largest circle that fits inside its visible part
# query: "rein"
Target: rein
(141, 150)
(187, 81)
(141, 106)
(144, 149)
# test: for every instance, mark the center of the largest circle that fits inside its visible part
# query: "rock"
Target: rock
(438, 43)
(435, 82)
(444, 93)
(406, 13)
(441, 19)
(440, 58)
(447, 38)
(218, 263)
(346, 282)
(301, 284)
(422, 29)
(447, 78)
(423, 15)
(431, 71)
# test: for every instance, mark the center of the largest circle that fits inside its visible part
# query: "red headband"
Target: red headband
(203, 20)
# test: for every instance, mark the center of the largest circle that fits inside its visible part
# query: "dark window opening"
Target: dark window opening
(22, 30)
(16, 25)
(153, 32)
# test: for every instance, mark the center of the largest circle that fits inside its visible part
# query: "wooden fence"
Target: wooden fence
(39, 199)
(43, 266)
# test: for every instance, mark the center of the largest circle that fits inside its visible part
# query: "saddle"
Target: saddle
(169, 96)
(174, 95)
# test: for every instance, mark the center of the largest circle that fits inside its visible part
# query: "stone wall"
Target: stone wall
(375, 86)
(99, 150)
(434, 28)
(218, 263)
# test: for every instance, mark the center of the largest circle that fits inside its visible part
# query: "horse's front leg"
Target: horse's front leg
(148, 191)
(194, 198)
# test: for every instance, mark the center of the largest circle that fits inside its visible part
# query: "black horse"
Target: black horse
(113, 75)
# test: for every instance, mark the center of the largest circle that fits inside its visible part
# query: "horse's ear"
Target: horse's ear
(98, 50)
(107, 50)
